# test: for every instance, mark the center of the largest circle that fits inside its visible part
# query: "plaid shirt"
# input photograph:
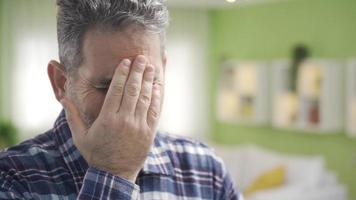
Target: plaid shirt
(51, 167)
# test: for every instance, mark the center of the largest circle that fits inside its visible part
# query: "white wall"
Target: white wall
(185, 111)
(31, 42)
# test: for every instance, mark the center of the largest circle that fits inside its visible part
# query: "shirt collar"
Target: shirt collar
(157, 162)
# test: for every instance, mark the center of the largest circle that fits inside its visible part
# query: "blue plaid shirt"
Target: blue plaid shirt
(51, 167)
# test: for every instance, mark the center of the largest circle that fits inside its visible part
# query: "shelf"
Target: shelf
(316, 102)
(243, 92)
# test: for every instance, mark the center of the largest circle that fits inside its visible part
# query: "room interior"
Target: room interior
(285, 126)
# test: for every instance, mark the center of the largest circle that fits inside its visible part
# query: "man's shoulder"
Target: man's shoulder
(34, 153)
(182, 144)
(190, 154)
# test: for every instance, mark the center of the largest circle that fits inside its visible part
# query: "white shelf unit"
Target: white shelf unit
(317, 103)
(351, 98)
(284, 102)
(243, 92)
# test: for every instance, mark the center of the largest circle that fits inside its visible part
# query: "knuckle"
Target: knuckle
(133, 89)
(153, 113)
(125, 72)
(122, 71)
(118, 88)
(148, 78)
(145, 99)
(140, 68)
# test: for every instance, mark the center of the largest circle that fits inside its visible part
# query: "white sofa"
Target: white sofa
(306, 176)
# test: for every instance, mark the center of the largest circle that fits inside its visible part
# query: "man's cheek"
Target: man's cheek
(91, 100)
(100, 100)
(94, 103)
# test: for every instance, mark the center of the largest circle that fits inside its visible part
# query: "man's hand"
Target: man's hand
(120, 138)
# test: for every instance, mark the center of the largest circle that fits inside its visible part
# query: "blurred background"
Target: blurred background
(270, 84)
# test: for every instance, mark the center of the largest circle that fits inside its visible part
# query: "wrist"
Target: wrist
(120, 188)
(127, 175)
(131, 177)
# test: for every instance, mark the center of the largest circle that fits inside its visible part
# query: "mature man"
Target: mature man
(105, 144)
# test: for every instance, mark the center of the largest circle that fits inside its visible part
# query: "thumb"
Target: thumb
(75, 122)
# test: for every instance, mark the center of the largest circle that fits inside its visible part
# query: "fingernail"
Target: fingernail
(141, 60)
(126, 62)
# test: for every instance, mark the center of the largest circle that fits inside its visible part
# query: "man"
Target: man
(105, 144)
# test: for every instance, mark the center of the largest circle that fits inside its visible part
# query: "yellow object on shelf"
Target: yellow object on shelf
(269, 179)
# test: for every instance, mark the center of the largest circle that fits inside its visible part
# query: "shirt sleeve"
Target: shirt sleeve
(10, 194)
(98, 184)
(229, 192)
(11, 188)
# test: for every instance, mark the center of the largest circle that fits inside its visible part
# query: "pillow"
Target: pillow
(269, 179)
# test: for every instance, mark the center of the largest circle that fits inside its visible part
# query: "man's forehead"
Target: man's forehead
(129, 39)
(103, 73)
(132, 53)
(104, 50)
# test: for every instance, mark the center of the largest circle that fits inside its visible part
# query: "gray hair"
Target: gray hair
(76, 17)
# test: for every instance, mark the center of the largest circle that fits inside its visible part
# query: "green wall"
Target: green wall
(5, 75)
(1, 66)
(269, 31)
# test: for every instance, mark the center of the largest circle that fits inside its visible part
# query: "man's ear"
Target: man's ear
(58, 77)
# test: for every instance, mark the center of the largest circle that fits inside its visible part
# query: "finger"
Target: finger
(154, 110)
(159, 79)
(159, 76)
(115, 93)
(75, 122)
(144, 99)
(133, 86)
